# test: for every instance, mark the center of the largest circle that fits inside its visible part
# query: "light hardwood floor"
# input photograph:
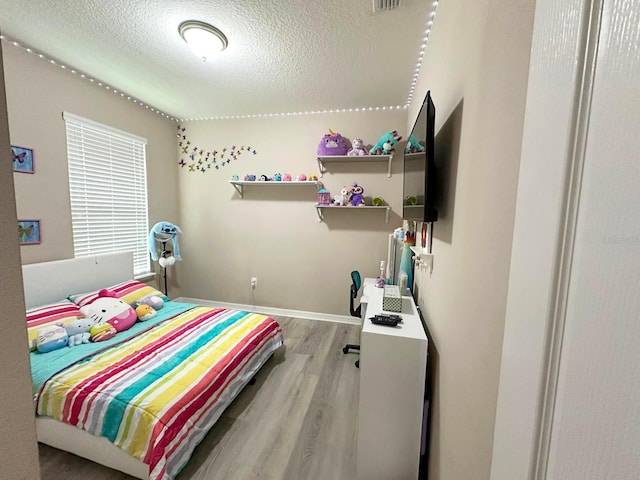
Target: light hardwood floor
(297, 422)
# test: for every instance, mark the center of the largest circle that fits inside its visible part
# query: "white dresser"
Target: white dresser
(393, 363)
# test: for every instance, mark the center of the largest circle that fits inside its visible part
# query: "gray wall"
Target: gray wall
(35, 117)
(19, 453)
(476, 66)
(273, 233)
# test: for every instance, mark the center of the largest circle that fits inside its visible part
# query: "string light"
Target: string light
(81, 75)
(288, 114)
(412, 88)
(423, 47)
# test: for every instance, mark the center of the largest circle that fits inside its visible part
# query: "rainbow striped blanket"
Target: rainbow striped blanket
(157, 395)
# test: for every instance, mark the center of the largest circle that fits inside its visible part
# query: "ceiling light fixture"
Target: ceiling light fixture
(205, 40)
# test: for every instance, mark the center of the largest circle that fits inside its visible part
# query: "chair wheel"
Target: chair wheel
(345, 350)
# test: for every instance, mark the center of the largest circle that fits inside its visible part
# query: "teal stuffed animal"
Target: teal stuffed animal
(164, 232)
(386, 144)
(413, 146)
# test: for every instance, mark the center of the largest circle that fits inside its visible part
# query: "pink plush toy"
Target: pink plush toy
(286, 177)
(108, 308)
(358, 148)
(302, 177)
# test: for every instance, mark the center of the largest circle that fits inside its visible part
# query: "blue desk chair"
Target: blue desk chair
(356, 283)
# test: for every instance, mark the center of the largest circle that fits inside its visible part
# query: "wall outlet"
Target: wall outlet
(254, 282)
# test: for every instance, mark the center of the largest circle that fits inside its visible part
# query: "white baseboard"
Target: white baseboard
(284, 312)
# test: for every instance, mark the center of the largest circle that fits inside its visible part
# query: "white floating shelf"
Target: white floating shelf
(415, 156)
(240, 184)
(323, 160)
(320, 208)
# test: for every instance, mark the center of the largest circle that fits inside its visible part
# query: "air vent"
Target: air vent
(381, 5)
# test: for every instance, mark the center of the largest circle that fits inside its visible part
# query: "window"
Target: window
(108, 188)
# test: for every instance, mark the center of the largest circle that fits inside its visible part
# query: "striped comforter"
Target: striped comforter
(156, 395)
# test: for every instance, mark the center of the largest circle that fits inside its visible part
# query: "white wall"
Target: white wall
(538, 228)
(595, 432)
(568, 393)
(273, 233)
(476, 66)
(19, 453)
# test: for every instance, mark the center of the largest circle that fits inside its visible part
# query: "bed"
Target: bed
(142, 401)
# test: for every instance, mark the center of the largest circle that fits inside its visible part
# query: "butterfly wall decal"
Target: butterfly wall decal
(192, 151)
(29, 232)
(22, 159)
(25, 231)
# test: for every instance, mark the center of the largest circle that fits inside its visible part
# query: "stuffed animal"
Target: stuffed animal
(145, 312)
(235, 177)
(153, 301)
(332, 144)
(312, 178)
(51, 337)
(101, 332)
(78, 331)
(413, 146)
(107, 308)
(343, 198)
(357, 197)
(358, 148)
(163, 232)
(301, 178)
(264, 178)
(386, 144)
(250, 178)
(286, 177)
(277, 177)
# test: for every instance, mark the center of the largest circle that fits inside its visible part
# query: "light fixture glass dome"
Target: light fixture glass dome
(205, 40)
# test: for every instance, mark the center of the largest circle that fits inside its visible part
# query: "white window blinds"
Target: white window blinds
(108, 188)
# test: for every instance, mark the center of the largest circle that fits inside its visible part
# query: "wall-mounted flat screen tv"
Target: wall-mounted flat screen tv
(419, 186)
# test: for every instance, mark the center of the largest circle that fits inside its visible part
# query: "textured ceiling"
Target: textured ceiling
(283, 55)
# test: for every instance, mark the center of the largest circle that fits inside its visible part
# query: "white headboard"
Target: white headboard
(50, 281)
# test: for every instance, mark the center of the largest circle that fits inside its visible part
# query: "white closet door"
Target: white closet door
(595, 432)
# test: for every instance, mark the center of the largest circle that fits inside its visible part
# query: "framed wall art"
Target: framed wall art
(22, 159)
(29, 231)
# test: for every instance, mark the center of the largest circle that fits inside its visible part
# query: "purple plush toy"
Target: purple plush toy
(332, 144)
(357, 197)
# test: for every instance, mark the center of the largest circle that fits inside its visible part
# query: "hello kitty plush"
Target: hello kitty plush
(78, 331)
(107, 308)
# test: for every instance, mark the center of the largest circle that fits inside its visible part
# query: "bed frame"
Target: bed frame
(50, 281)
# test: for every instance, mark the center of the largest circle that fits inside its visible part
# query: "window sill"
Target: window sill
(143, 277)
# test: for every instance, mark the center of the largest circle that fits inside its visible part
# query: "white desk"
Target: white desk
(393, 363)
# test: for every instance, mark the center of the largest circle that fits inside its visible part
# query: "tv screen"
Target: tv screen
(419, 187)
